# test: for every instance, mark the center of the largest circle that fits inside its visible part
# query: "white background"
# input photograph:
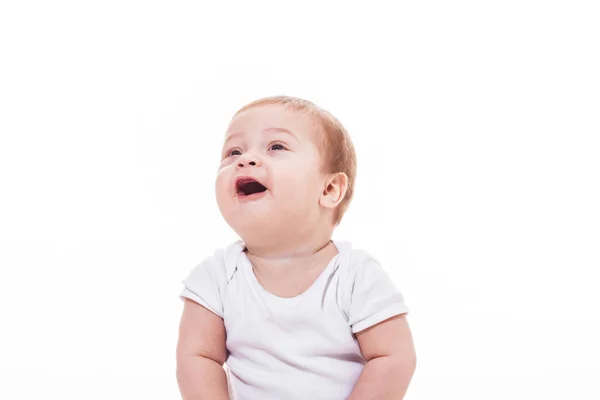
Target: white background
(477, 131)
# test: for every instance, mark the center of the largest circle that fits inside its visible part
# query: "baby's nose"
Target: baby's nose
(247, 160)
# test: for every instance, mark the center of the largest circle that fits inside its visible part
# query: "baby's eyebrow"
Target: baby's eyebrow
(276, 129)
(233, 136)
(273, 129)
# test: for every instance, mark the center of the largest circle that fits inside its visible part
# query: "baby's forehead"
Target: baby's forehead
(273, 118)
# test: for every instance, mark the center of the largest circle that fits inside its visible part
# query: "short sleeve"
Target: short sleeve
(204, 284)
(374, 297)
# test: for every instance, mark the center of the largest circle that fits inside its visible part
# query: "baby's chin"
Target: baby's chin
(245, 216)
(258, 224)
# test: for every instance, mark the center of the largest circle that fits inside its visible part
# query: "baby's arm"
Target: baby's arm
(201, 354)
(391, 360)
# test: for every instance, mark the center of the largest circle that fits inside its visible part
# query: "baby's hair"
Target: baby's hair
(339, 153)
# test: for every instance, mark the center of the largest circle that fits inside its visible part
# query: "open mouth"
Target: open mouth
(248, 186)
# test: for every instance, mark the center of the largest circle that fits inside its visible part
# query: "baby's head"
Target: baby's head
(287, 171)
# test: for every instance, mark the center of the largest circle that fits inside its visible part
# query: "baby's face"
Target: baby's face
(270, 178)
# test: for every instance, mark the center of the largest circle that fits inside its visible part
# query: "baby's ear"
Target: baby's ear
(334, 190)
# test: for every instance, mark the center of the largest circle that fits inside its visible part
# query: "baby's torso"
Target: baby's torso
(289, 348)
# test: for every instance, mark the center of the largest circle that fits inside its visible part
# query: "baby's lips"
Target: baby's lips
(246, 179)
(247, 185)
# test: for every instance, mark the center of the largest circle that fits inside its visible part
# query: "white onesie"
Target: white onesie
(294, 348)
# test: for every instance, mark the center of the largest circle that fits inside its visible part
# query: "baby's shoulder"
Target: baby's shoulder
(222, 263)
(354, 260)
(207, 283)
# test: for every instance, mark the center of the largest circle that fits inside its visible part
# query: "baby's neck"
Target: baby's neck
(290, 276)
(287, 254)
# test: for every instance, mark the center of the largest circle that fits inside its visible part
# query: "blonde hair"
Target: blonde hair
(336, 145)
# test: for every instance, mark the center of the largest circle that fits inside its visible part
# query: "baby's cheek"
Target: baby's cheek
(304, 192)
(224, 170)
(222, 183)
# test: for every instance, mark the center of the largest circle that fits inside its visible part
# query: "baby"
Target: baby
(288, 313)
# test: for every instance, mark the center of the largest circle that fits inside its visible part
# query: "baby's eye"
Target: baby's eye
(277, 147)
(234, 152)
